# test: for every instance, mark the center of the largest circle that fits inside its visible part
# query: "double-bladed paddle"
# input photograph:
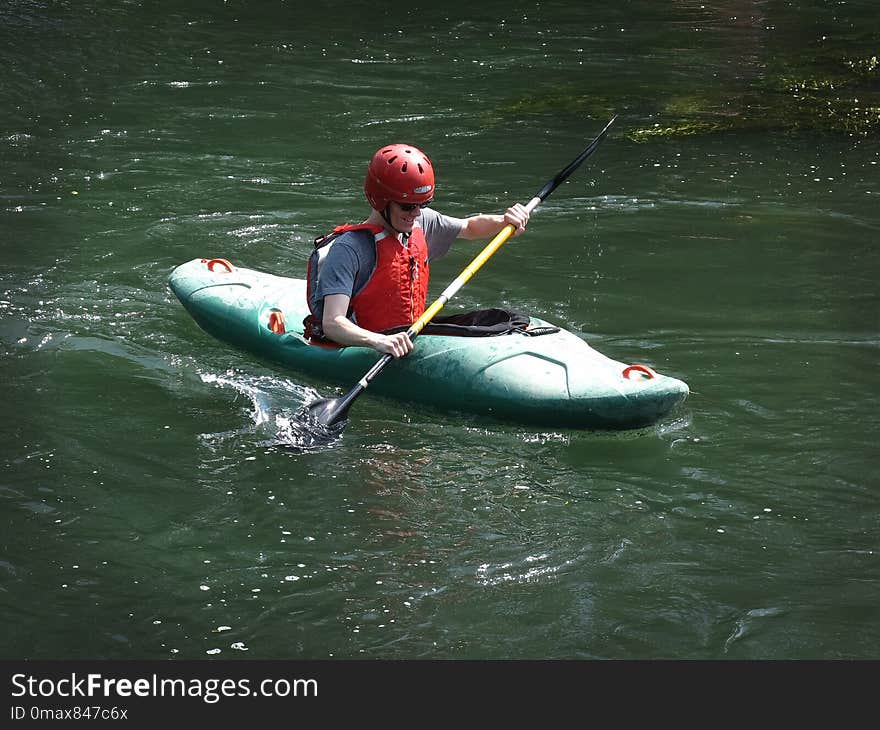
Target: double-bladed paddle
(330, 413)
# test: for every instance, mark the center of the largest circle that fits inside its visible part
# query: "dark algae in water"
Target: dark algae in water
(839, 96)
(825, 87)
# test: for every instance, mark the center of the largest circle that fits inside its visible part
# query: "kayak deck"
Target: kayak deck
(552, 379)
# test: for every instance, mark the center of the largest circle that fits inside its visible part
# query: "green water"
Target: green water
(147, 515)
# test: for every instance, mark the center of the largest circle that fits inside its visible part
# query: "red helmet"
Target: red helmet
(401, 173)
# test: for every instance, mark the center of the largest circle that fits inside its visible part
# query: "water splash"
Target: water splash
(280, 407)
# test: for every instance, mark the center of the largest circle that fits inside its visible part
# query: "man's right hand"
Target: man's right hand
(339, 328)
(397, 345)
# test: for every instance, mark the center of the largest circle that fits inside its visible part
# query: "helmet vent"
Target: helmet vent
(403, 169)
(421, 169)
(392, 159)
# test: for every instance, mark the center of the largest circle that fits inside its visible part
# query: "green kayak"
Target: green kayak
(550, 378)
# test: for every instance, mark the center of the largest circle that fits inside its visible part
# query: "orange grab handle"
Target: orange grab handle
(639, 368)
(223, 262)
(276, 322)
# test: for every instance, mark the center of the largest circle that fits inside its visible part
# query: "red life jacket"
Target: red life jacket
(397, 291)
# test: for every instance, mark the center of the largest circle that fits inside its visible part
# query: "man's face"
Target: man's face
(404, 215)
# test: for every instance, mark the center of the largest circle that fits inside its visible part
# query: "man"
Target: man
(372, 277)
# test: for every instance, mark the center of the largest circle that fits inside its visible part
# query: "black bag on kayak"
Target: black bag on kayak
(480, 323)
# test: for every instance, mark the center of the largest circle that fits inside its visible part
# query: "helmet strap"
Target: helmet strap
(387, 217)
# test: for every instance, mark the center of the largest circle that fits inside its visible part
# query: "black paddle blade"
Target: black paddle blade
(326, 417)
(316, 425)
(329, 413)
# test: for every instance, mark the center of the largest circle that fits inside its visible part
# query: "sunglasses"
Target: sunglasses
(412, 206)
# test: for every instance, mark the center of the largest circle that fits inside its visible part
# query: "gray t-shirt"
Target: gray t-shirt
(351, 260)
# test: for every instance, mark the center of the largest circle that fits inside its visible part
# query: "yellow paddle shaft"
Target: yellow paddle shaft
(471, 269)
